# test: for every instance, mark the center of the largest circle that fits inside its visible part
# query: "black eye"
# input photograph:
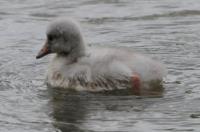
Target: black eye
(50, 37)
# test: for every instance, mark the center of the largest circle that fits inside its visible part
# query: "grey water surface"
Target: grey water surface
(167, 30)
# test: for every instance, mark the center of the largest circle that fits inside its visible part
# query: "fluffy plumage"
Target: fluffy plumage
(78, 67)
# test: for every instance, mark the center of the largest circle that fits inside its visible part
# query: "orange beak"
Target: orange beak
(44, 51)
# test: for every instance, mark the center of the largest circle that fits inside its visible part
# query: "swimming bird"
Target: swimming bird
(81, 67)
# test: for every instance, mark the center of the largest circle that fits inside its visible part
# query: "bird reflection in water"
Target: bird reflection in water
(71, 108)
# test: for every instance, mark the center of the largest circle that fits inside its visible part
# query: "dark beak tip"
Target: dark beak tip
(37, 57)
(41, 54)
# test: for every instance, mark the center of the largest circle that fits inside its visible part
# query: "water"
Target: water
(167, 30)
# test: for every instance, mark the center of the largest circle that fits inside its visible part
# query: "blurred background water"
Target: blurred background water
(167, 30)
